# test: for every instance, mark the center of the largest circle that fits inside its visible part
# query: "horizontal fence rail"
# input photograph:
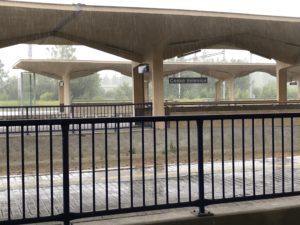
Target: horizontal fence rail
(71, 112)
(75, 111)
(152, 163)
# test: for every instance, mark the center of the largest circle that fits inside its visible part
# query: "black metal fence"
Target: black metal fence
(75, 111)
(71, 112)
(176, 162)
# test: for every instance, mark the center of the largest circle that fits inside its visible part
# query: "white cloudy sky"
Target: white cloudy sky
(10, 55)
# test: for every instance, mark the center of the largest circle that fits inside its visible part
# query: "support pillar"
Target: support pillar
(61, 92)
(298, 85)
(146, 90)
(137, 91)
(138, 85)
(281, 76)
(156, 70)
(66, 89)
(218, 90)
(231, 89)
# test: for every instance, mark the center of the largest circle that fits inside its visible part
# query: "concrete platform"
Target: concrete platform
(277, 211)
(283, 209)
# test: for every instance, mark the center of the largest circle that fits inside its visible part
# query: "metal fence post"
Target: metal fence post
(200, 167)
(27, 118)
(66, 191)
(73, 116)
(115, 115)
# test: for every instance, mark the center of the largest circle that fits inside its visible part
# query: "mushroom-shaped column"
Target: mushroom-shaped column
(65, 90)
(281, 75)
(231, 88)
(61, 92)
(298, 85)
(137, 85)
(146, 90)
(156, 72)
(218, 90)
(138, 90)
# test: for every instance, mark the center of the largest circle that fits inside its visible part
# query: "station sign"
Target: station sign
(187, 80)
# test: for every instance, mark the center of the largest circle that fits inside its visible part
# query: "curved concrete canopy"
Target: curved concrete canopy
(74, 68)
(221, 71)
(78, 68)
(136, 33)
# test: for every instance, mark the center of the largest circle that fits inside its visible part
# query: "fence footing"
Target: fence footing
(205, 214)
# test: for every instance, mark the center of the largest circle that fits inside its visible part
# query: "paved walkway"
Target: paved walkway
(100, 187)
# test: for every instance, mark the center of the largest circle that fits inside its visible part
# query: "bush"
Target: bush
(47, 96)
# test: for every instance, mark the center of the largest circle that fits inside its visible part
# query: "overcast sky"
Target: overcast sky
(10, 55)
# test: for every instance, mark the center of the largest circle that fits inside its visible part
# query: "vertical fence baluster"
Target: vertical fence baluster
(8, 174)
(80, 167)
(155, 164)
(273, 158)
(222, 159)
(292, 154)
(37, 171)
(143, 164)
(264, 156)
(131, 166)
(66, 179)
(23, 172)
(200, 167)
(177, 162)
(166, 163)
(106, 167)
(119, 165)
(51, 168)
(282, 155)
(233, 157)
(93, 167)
(189, 160)
(243, 157)
(212, 159)
(253, 158)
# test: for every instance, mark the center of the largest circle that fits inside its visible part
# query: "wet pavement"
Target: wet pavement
(81, 197)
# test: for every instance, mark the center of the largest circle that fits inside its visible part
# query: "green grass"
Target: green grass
(18, 103)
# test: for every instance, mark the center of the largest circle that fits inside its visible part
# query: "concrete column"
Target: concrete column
(218, 90)
(146, 90)
(298, 85)
(231, 89)
(281, 75)
(61, 92)
(137, 85)
(66, 89)
(156, 71)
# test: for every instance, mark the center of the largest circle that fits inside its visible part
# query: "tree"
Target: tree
(268, 91)
(242, 85)
(62, 52)
(122, 93)
(8, 85)
(85, 88)
(46, 88)
(3, 75)
(11, 88)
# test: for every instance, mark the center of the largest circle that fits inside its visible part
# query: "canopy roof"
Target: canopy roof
(75, 68)
(78, 68)
(135, 33)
